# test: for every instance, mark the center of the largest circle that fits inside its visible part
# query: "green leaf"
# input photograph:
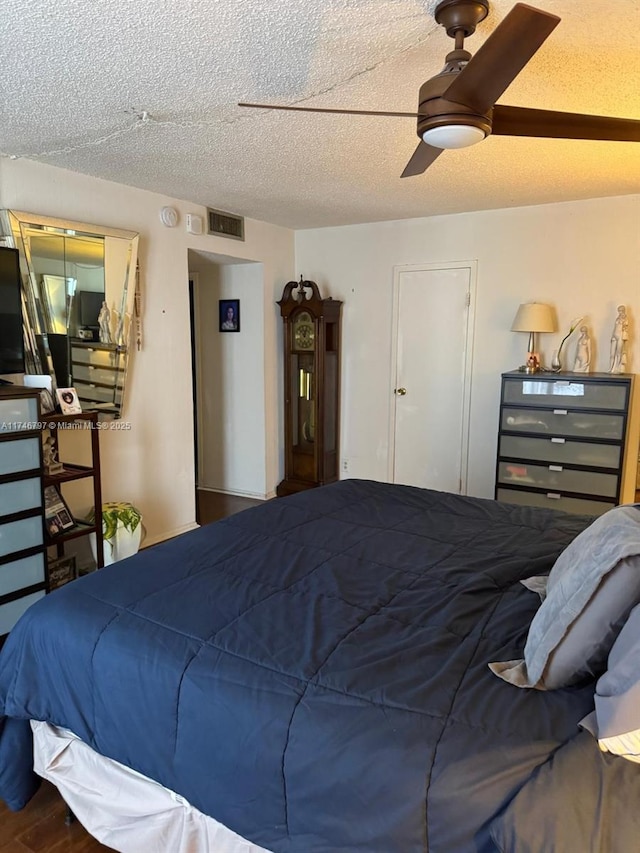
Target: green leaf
(117, 511)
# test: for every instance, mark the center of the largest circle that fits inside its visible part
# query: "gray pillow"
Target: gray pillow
(583, 651)
(616, 719)
(592, 588)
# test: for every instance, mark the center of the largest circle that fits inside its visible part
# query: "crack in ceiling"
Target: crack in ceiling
(189, 65)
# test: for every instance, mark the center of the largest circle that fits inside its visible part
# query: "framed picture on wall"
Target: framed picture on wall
(229, 310)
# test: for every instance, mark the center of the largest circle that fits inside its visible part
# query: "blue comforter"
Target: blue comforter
(312, 673)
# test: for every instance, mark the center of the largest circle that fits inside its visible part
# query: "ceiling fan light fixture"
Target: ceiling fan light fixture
(453, 136)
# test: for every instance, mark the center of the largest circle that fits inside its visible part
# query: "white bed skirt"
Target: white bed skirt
(122, 808)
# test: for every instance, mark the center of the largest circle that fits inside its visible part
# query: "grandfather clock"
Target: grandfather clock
(311, 386)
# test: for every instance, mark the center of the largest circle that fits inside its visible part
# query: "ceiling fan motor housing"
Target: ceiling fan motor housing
(461, 15)
(436, 111)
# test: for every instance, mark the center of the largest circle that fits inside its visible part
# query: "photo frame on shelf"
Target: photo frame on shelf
(61, 571)
(229, 311)
(68, 400)
(57, 514)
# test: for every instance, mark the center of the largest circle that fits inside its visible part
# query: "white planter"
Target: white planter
(124, 543)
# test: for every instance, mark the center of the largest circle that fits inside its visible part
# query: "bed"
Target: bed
(312, 675)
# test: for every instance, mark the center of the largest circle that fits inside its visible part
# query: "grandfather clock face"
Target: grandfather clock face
(304, 333)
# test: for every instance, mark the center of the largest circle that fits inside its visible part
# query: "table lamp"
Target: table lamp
(534, 317)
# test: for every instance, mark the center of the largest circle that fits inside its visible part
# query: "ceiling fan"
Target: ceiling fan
(457, 107)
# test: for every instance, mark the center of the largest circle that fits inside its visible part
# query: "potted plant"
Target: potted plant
(121, 530)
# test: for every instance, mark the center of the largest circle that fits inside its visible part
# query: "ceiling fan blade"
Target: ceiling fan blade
(501, 58)
(422, 158)
(323, 110)
(520, 121)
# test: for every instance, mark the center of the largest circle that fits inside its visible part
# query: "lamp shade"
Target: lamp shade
(534, 317)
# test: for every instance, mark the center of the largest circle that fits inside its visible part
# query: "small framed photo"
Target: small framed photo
(57, 515)
(61, 571)
(69, 402)
(229, 315)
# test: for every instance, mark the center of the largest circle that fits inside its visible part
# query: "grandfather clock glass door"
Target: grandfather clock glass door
(312, 336)
(303, 396)
(306, 402)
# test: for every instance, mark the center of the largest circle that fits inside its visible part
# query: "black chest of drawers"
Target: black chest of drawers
(565, 441)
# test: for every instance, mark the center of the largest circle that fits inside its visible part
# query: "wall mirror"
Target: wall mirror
(80, 292)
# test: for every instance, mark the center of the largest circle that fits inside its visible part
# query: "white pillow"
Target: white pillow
(626, 745)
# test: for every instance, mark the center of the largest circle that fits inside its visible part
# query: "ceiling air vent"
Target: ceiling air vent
(225, 224)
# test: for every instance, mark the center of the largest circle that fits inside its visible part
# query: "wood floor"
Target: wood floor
(212, 506)
(40, 827)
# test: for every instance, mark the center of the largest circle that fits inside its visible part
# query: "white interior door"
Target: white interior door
(433, 319)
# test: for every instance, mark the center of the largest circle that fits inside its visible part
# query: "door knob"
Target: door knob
(401, 391)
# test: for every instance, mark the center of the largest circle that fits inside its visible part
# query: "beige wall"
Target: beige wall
(582, 257)
(152, 465)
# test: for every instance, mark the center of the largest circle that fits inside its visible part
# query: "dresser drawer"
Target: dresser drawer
(567, 394)
(89, 373)
(20, 535)
(560, 451)
(20, 495)
(21, 573)
(565, 480)
(13, 610)
(19, 455)
(563, 422)
(18, 414)
(95, 393)
(98, 357)
(577, 506)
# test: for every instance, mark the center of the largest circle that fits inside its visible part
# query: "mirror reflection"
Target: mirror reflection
(79, 286)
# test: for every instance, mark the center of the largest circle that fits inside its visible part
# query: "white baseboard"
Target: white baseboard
(169, 534)
(236, 493)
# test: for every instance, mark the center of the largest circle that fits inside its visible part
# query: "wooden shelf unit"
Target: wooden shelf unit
(82, 423)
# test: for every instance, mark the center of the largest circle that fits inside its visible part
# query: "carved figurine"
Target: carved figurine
(51, 463)
(619, 338)
(583, 352)
(104, 321)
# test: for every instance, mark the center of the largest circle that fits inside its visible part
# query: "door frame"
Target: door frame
(196, 373)
(398, 270)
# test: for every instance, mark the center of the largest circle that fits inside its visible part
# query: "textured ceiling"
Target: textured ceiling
(78, 75)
